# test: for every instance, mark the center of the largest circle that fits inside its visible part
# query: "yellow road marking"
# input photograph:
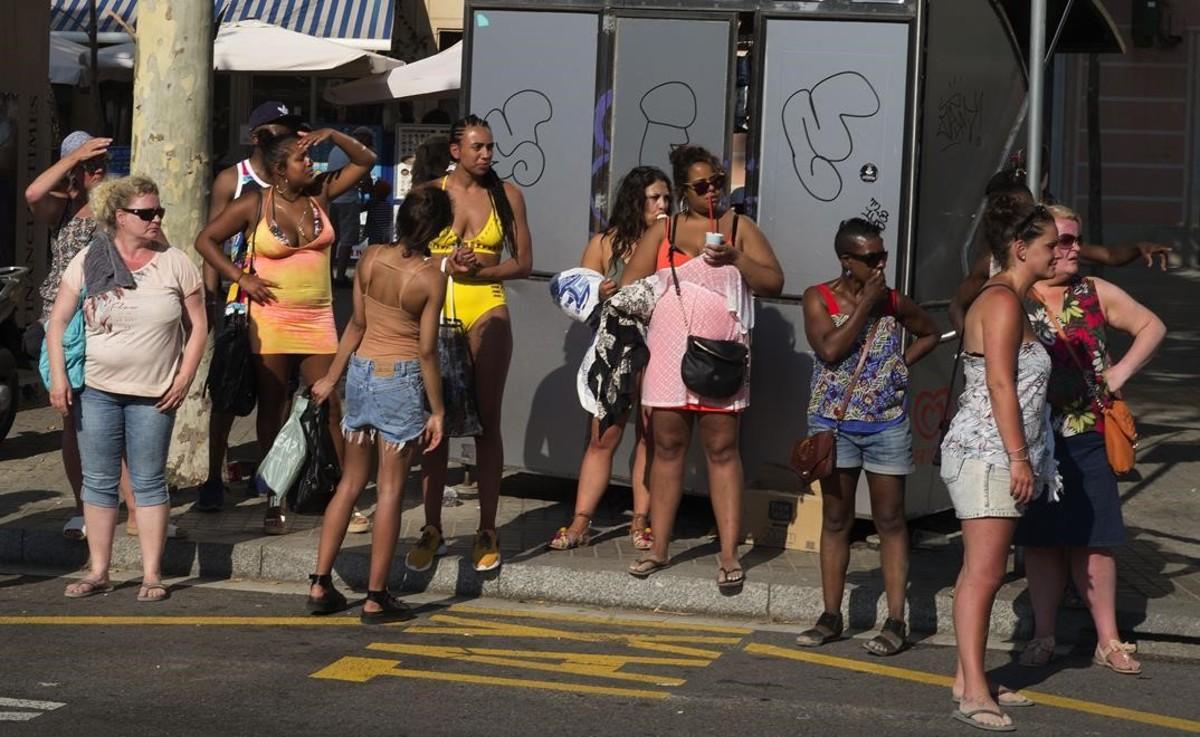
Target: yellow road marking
(582, 664)
(361, 670)
(933, 679)
(188, 621)
(592, 619)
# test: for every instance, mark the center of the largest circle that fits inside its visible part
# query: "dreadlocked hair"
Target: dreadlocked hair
(683, 158)
(492, 182)
(626, 223)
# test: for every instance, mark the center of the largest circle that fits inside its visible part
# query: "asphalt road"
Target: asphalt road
(215, 660)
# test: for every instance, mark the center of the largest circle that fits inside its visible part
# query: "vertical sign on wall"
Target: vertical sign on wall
(671, 87)
(532, 77)
(833, 121)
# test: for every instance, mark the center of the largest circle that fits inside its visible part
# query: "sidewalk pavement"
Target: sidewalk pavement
(1159, 576)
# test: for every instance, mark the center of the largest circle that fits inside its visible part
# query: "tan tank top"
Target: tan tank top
(392, 333)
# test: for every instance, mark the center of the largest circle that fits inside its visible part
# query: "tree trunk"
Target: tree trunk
(172, 112)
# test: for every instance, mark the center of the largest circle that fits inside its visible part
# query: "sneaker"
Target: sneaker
(429, 546)
(486, 552)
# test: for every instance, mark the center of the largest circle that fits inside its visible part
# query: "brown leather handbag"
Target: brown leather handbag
(815, 457)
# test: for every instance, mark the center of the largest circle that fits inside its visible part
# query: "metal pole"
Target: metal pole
(1037, 75)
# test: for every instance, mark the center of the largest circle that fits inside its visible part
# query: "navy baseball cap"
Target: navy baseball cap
(273, 111)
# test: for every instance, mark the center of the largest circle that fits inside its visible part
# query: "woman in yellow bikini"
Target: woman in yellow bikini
(291, 320)
(499, 249)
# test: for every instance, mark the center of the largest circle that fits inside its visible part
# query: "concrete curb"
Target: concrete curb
(586, 583)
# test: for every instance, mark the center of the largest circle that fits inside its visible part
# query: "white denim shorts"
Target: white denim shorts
(979, 489)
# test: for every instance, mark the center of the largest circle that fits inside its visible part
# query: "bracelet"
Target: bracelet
(1022, 449)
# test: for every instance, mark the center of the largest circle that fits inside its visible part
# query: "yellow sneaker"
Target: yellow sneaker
(429, 546)
(486, 553)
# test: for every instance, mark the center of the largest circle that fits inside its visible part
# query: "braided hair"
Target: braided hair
(492, 182)
(1011, 218)
(627, 224)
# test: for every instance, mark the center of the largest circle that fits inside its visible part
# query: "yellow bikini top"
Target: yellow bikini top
(489, 239)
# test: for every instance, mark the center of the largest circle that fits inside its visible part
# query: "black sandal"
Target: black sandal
(393, 610)
(828, 628)
(331, 602)
(890, 640)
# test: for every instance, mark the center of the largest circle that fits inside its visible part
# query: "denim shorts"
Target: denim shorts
(886, 452)
(390, 406)
(979, 489)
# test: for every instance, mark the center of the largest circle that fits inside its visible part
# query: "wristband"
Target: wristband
(444, 262)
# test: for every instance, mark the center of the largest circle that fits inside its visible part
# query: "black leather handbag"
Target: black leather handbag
(231, 383)
(711, 368)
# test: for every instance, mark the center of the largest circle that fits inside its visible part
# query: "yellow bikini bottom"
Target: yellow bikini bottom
(469, 300)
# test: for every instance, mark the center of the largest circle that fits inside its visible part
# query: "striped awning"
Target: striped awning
(363, 23)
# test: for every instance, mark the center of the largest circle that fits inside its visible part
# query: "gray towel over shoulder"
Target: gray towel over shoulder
(103, 268)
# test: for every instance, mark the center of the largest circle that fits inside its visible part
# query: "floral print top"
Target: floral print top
(67, 241)
(1072, 393)
(973, 433)
(878, 399)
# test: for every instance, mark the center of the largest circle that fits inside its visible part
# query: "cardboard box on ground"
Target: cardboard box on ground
(782, 519)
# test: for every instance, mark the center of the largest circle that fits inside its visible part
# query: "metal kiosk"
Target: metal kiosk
(893, 110)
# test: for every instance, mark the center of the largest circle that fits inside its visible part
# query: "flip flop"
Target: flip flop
(730, 578)
(1015, 699)
(146, 588)
(96, 587)
(75, 529)
(967, 717)
(644, 567)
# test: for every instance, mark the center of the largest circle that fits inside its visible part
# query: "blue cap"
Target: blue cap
(72, 142)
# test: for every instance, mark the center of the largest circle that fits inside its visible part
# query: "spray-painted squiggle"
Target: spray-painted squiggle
(520, 157)
(818, 143)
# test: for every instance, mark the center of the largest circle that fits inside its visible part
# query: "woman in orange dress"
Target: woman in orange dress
(288, 284)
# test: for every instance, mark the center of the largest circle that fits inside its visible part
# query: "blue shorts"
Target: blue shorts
(391, 406)
(887, 451)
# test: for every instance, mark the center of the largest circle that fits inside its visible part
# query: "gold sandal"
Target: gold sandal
(1118, 648)
(564, 540)
(640, 535)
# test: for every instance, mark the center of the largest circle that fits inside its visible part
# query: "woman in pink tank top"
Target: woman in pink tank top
(713, 300)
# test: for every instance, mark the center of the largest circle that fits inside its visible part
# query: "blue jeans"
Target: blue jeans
(112, 426)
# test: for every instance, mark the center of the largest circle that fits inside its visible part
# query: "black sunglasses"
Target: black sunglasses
(873, 259)
(702, 186)
(146, 213)
(93, 165)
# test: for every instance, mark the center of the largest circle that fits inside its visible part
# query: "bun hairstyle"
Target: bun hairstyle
(425, 213)
(1011, 218)
(1007, 182)
(112, 194)
(683, 158)
(491, 181)
(626, 224)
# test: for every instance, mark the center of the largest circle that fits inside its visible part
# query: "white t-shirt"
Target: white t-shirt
(135, 337)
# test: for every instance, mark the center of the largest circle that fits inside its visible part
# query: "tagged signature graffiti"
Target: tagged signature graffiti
(670, 109)
(519, 154)
(818, 134)
(875, 214)
(958, 117)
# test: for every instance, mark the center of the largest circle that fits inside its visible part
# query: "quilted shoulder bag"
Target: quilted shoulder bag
(815, 457)
(711, 368)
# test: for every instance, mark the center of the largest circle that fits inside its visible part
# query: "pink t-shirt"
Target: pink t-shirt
(135, 337)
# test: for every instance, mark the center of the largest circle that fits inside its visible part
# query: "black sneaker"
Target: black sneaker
(211, 496)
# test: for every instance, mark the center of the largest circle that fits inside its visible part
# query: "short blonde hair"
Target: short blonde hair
(113, 194)
(1062, 212)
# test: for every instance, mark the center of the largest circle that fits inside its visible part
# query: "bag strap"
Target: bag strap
(671, 249)
(1062, 335)
(862, 362)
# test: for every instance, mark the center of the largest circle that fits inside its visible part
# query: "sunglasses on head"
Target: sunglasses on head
(702, 186)
(872, 260)
(146, 213)
(1066, 241)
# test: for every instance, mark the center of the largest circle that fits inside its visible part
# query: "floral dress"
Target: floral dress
(1072, 393)
(67, 241)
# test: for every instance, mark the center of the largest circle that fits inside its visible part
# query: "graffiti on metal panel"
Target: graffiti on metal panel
(817, 125)
(875, 214)
(519, 154)
(959, 117)
(669, 109)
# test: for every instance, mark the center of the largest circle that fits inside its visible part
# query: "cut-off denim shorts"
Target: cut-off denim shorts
(389, 406)
(885, 452)
(979, 488)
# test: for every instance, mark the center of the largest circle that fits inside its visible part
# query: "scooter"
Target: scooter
(11, 279)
